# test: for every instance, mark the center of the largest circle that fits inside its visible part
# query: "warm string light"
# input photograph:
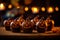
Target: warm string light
(26, 8)
(35, 9)
(50, 9)
(9, 6)
(56, 8)
(2, 7)
(43, 9)
(18, 7)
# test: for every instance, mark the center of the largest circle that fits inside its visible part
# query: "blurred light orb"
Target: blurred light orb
(8, 14)
(50, 10)
(18, 7)
(2, 7)
(43, 9)
(57, 9)
(35, 9)
(26, 8)
(9, 6)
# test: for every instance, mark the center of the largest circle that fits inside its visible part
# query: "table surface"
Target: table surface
(3, 32)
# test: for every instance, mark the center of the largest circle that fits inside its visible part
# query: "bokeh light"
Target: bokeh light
(18, 7)
(57, 9)
(35, 9)
(9, 6)
(50, 9)
(43, 9)
(26, 8)
(8, 14)
(2, 7)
